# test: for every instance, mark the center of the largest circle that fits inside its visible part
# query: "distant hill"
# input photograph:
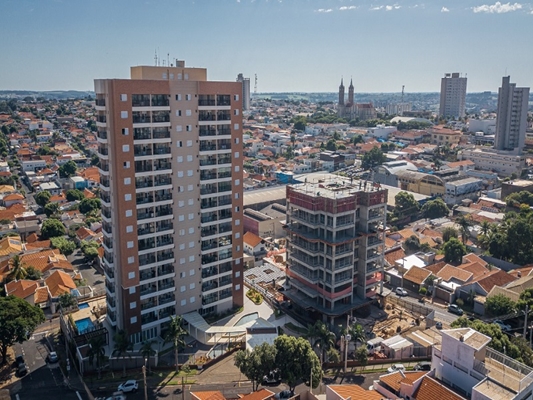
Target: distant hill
(52, 94)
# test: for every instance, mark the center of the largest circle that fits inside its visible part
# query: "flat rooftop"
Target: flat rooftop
(336, 188)
(493, 390)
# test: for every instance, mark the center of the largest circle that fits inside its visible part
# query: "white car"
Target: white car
(128, 386)
(401, 291)
(396, 368)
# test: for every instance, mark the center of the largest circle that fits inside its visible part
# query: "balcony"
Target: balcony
(146, 259)
(140, 100)
(207, 272)
(100, 102)
(145, 244)
(206, 116)
(207, 147)
(148, 318)
(146, 304)
(165, 269)
(142, 134)
(103, 150)
(161, 133)
(160, 100)
(166, 298)
(105, 197)
(164, 256)
(144, 198)
(208, 160)
(160, 116)
(166, 312)
(161, 165)
(211, 298)
(161, 149)
(106, 212)
(206, 100)
(102, 134)
(147, 274)
(208, 131)
(143, 182)
(164, 226)
(140, 150)
(141, 117)
(166, 284)
(223, 228)
(223, 116)
(223, 100)
(207, 286)
(224, 294)
(225, 267)
(226, 280)
(148, 288)
(161, 211)
(143, 166)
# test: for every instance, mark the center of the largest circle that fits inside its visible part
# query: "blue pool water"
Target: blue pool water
(84, 325)
(247, 318)
(83, 305)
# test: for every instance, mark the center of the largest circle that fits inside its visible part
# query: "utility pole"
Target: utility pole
(525, 321)
(144, 377)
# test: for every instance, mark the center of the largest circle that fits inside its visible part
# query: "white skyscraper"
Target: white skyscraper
(452, 95)
(511, 121)
(245, 91)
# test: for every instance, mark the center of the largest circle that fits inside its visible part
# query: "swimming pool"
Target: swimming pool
(247, 318)
(81, 306)
(84, 325)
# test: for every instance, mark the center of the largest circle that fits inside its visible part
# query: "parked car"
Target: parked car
(116, 396)
(396, 367)
(52, 357)
(503, 326)
(455, 309)
(128, 386)
(18, 360)
(284, 394)
(22, 370)
(438, 325)
(273, 378)
(423, 366)
(401, 291)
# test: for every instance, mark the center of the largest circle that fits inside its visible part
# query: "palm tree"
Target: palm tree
(358, 333)
(325, 339)
(175, 334)
(464, 224)
(96, 352)
(122, 346)
(485, 227)
(18, 271)
(147, 351)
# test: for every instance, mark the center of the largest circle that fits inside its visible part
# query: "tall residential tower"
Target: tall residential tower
(245, 91)
(452, 95)
(170, 148)
(511, 120)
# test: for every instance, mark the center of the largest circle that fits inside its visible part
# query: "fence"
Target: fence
(376, 365)
(414, 308)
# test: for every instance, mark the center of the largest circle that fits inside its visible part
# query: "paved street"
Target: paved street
(43, 381)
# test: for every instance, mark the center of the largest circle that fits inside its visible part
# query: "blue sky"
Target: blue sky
(292, 45)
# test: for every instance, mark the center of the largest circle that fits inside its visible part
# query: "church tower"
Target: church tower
(350, 93)
(341, 94)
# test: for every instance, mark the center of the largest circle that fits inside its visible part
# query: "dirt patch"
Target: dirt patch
(7, 373)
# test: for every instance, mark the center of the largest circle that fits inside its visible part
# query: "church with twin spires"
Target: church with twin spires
(351, 110)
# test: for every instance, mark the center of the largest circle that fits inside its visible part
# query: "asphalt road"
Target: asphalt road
(43, 381)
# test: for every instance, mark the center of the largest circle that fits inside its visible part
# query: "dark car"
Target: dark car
(19, 360)
(284, 394)
(273, 378)
(455, 309)
(423, 366)
(22, 370)
(52, 357)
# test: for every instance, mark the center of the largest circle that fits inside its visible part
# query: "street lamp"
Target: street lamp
(346, 338)
(144, 377)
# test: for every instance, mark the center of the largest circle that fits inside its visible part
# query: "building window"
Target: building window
(237, 168)
(237, 222)
(192, 300)
(125, 131)
(236, 140)
(123, 114)
(129, 213)
(237, 261)
(179, 143)
(131, 260)
(189, 128)
(129, 229)
(131, 275)
(189, 158)
(130, 244)
(182, 246)
(188, 113)
(183, 288)
(178, 96)
(237, 182)
(191, 258)
(236, 112)
(189, 143)
(179, 128)
(237, 155)
(183, 302)
(192, 272)
(126, 164)
(188, 97)
(186, 77)
(132, 290)
(125, 148)
(181, 218)
(182, 260)
(237, 274)
(237, 235)
(236, 97)
(178, 113)
(190, 188)
(191, 245)
(191, 286)
(237, 287)
(190, 202)
(133, 320)
(127, 181)
(180, 174)
(179, 159)
(191, 216)
(236, 127)
(123, 97)
(133, 305)
(181, 203)
(191, 230)
(127, 197)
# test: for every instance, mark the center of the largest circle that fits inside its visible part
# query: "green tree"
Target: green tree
(74, 194)
(42, 198)
(412, 244)
(33, 273)
(373, 158)
(64, 245)
(147, 351)
(296, 359)
(17, 269)
(331, 145)
(122, 346)
(357, 332)
(454, 251)
(96, 352)
(52, 228)
(499, 305)
(357, 139)
(361, 355)
(89, 249)
(324, 338)
(18, 321)
(516, 199)
(435, 209)
(68, 169)
(448, 233)
(464, 223)
(405, 204)
(300, 122)
(175, 334)
(67, 300)
(88, 206)
(257, 363)
(51, 209)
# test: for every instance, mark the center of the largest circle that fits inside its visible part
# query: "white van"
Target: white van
(374, 345)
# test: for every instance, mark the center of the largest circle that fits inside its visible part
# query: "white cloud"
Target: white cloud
(444, 9)
(324, 10)
(497, 8)
(344, 8)
(386, 8)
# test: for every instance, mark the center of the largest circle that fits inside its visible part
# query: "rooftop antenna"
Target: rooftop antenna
(255, 86)
(168, 59)
(403, 87)
(155, 58)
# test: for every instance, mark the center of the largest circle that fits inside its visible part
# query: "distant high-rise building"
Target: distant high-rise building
(170, 149)
(452, 95)
(245, 91)
(511, 120)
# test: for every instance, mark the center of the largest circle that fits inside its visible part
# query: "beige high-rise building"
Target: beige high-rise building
(453, 95)
(170, 148)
